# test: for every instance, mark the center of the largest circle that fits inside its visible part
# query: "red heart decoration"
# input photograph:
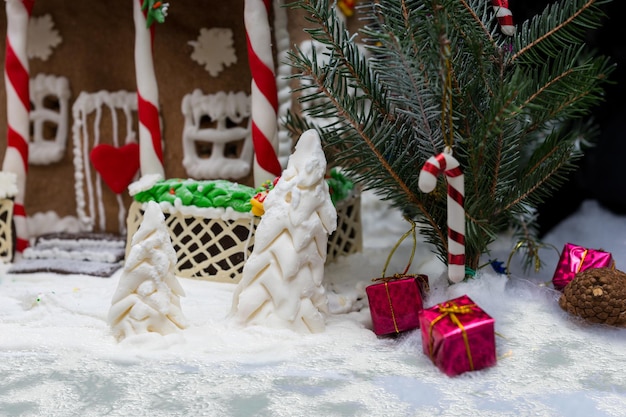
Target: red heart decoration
(117, 166)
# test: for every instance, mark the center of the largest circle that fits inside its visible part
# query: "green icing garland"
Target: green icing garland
(224, 193)
(208, 193)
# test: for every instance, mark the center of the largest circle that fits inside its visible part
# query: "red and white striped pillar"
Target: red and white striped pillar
(16, 80)
(150, 146)
(264, 94)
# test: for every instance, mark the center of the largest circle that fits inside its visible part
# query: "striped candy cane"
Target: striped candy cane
(16, 79)
(264, 94)
(504, 15)
(445, 163)
(150, 149)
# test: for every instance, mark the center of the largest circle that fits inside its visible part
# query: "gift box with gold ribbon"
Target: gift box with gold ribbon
(575, 259)
(458, 336)
(395, 302)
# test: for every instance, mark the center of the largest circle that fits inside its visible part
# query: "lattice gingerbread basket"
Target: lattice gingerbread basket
(207, 248)
(216, 248)
(348, 237)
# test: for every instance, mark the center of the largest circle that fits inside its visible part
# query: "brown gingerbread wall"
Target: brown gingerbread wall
(96, 53)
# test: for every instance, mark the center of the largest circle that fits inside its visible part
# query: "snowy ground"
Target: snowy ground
(58, 358)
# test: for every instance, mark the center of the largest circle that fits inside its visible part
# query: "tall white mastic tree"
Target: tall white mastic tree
(147, 299)
(282, 280)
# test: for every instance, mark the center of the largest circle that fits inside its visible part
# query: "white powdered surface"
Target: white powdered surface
(58, 356)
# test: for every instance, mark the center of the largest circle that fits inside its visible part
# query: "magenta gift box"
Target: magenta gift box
(575, 259)
(458, 336)
(395, 303)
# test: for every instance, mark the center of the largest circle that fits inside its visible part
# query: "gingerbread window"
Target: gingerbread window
(217, 141)
(49, 119)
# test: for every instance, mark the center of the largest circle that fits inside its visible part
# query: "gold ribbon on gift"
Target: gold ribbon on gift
(393, 315)
(451, 310)
(582, 261)
(411, 232)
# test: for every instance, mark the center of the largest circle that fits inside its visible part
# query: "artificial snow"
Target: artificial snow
(58, 356)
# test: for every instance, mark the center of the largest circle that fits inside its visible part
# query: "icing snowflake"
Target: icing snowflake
(42, 37)
(214, 49)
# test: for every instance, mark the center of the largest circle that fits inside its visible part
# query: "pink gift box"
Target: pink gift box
(575, 259)
(458, 336)
(395, 303)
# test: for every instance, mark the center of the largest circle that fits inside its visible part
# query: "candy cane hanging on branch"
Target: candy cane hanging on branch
(504, 15)
(264, 94)
(446, 164)
(16, 79)
(145, 12)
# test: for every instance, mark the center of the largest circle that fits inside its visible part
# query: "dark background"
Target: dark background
(601, 173)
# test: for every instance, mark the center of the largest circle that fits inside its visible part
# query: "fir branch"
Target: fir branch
(567, 24)
(479, 23)
(308, 69)
(383, 109)
(320, 14)
(574, 85)
(554, 155)
(393, 44)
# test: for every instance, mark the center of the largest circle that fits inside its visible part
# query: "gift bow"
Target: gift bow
(451, 310)
(421, 277)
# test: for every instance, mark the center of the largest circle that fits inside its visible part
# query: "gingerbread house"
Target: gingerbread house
(98, 95)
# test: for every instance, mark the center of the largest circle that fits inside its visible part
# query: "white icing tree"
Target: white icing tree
(282, 280)
(147, 299)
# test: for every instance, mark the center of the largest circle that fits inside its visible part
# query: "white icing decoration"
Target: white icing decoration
(8, 184)
(227, 213)
(144, 183)
(96, 255)
(281, 284)
(120, 102)
(80, 243)
(43, 150)
(49, 222)
(219, 108)
(147, 299)
(42, 37)
(214, 49)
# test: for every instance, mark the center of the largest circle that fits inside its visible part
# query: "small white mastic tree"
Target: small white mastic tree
(147, 299)
(282, 280)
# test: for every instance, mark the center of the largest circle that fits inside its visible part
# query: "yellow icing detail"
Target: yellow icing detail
(257, 207)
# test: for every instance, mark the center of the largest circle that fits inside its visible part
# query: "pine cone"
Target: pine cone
(597, 295)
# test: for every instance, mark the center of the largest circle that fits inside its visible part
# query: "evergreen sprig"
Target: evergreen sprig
(378, 98)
